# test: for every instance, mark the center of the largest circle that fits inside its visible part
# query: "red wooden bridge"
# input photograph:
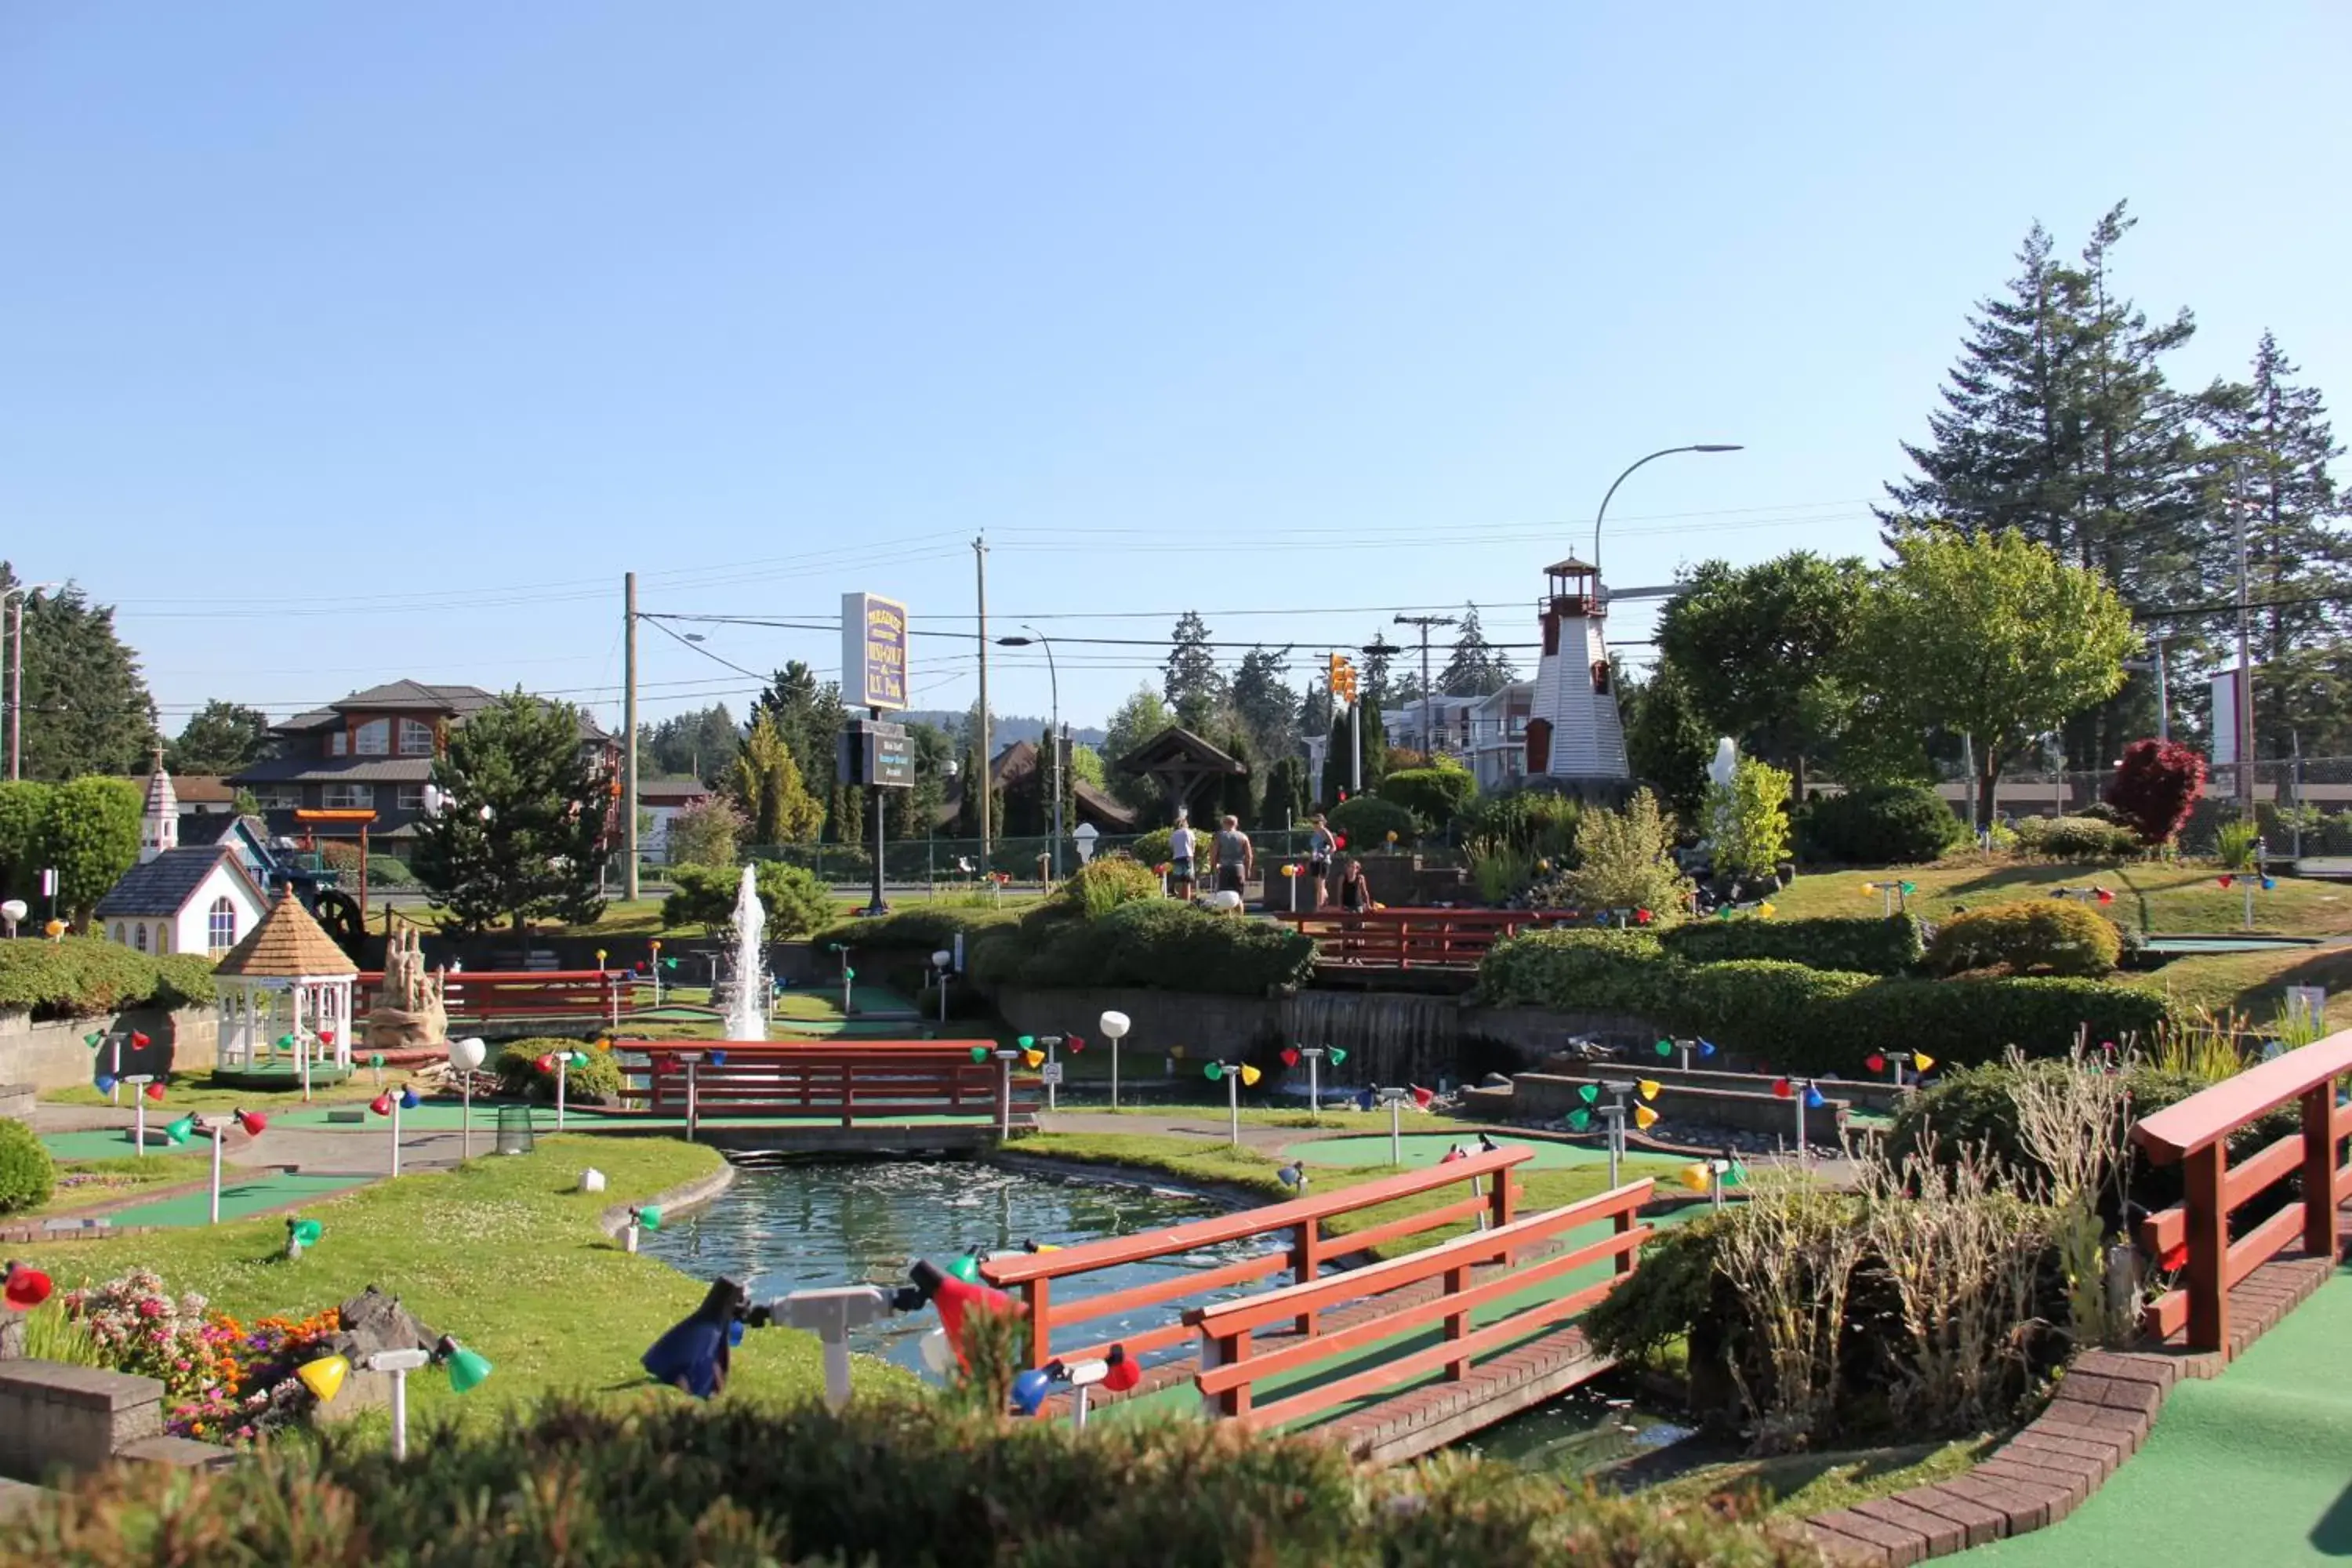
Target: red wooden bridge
(1359, 944)
(591, 998)
(1393, 1358)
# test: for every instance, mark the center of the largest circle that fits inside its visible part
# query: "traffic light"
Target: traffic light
(1343, 679)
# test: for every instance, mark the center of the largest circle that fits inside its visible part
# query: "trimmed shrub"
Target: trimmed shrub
(1154, 847)
(1106, 882)
(797, 903)
(1162, 945)
(183, 979)
(2076, 839)
(2031, 936)
(923, 929)
(27, 1174)
(1436, 795)
(1867, 944)
(1366, 821)
(1801, 1019)
(1878, 825)
(1625, 860)
(597, 1083)
(884, 1480)
(1575, 971)
(1752, 815)
(87, 977)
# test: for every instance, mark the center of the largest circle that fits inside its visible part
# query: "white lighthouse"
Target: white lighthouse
(1574, 734)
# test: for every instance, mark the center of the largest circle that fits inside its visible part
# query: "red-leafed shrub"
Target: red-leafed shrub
(2157, 786)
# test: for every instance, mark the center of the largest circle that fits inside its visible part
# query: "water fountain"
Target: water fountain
(743, 991)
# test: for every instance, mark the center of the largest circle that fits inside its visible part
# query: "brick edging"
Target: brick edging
(2106, 1406)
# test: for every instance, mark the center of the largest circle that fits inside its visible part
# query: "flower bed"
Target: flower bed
(224, 1381)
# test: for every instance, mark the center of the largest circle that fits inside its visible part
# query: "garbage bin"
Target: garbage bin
(516, 1135)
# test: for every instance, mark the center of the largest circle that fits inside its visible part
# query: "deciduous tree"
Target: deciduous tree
(219, 738)
(1991, 636)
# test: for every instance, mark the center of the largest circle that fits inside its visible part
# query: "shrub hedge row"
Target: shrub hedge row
(1158, 945)
(1797, 1018)
(87, 977)
(884, 1481)
(597, 1083)
(1864, 944)
(2028, 936)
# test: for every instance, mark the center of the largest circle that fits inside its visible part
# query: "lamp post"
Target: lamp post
(16, 673)
(1053, 728)
(1665, 452)
(1114, 1026)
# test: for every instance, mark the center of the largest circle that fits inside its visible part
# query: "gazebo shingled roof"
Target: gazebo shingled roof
(288, 945)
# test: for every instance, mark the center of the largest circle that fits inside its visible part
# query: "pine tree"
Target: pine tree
(2271, 451)
(1477, 668)
(1378, 655)
(85, 708)
(767, 788)
(550, 801)
(808, 719)
(1194, 687)
(2058, 422)
(1264, 702)
(1665, 743)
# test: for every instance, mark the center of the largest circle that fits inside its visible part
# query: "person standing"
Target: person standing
(1322, 844)
(1181, 846)
(1237, 857)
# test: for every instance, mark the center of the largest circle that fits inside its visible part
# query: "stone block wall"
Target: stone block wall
(57, 1416)
(51, 1055)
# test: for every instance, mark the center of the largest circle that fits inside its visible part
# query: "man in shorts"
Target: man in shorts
(1181, 842)
(1237, 857)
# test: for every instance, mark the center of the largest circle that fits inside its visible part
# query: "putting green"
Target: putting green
(1428, 1148)
(105, 1142)
(444, 1116)
(241, 1194)
(2249, 1467)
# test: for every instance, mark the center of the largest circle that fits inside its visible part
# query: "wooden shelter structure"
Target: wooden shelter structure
(1187, 770)
(287, 978)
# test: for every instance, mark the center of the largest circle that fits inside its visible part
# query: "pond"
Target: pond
(808, 1225)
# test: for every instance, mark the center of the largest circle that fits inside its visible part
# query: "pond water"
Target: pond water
(808, 1225)
(1582, 1435)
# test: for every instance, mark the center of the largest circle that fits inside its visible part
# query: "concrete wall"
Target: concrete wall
(57, 1416)
(52, 1055)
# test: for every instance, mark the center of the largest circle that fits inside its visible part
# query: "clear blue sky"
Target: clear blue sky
(342, 343)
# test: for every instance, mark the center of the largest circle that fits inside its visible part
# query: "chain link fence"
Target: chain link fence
(951, 863)
(2303, 805)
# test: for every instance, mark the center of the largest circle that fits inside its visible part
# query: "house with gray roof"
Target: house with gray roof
(374, 751)
(197, 897)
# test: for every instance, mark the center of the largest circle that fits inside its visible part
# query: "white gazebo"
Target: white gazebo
(288, 978)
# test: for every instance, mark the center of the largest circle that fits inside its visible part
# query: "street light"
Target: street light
(1668, 452)
(16, 673)
(1054, 730)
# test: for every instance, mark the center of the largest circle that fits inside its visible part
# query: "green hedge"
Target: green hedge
(1867, 944)
(796, 902)
(882, 1481)
(2049, 935)
(597, 1083)
(1161, 946)
(1435, 795)
(925, 928)
(1366, 821)
(87, 977)
(1878, 825)
(1798, 1018)
(27, 1174)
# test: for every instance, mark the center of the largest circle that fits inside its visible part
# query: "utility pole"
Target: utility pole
(17, 676)
(629, 743)
(980, 562)
(1428, 733)
(2245, 682)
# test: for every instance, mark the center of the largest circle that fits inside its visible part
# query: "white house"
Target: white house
(202, 898)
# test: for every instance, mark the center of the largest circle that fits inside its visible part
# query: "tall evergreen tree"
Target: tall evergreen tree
(1665, 743)
(2271, 454)
(2058, 422)
(1378, 656)
(1194, 685)
(1265, 703)
(700, 743)
(85, 708)
(808, 716)
(767, 788)
(1477, 668)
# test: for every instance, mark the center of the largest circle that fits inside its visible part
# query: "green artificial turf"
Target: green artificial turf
(1422, 1149)
(2253, 1468)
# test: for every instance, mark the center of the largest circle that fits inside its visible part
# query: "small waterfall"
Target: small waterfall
(1390, 1038)
(746, 984)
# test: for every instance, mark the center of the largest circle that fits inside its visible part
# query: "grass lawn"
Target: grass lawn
(2254, 984)
(2151, 895)
(1184, 1159)
(86, 1184)
(502, 1253)
(1798, 1485)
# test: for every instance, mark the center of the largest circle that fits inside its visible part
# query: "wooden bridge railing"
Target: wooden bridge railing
(1485, 1175)
(592, 995)
(2196, 1133)
(1233, 1365)
(1412, 939)
(873, 1079)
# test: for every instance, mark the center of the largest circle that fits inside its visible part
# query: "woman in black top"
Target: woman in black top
(1355, 890)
